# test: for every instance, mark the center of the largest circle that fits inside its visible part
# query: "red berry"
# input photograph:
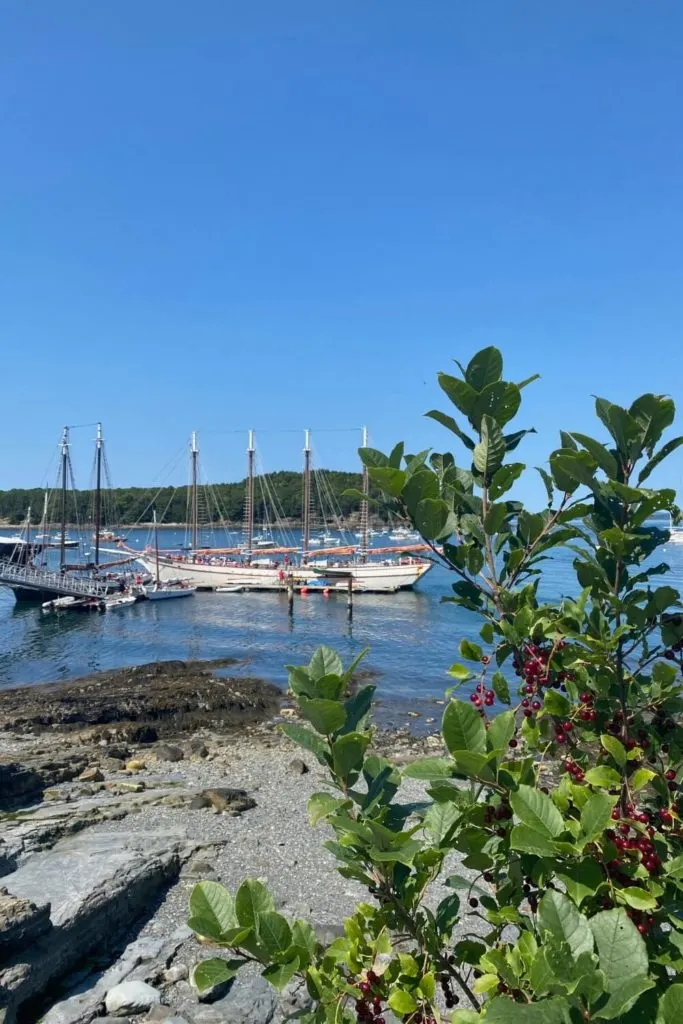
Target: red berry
(474, 698)
(561, 738)
(586, 698)
(525, 703)
(568, 726)
(642, 928)
(670, 775)
(528, 712)
(616, 814)
(485, 659)
(669, 654)
(536, 705)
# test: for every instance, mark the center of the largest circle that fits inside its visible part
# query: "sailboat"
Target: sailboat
(211, 569)
(158, 591)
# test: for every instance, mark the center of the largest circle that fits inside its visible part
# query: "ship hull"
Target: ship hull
(370, 577)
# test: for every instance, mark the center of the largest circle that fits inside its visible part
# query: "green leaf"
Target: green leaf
(490, 452)
(501, 731)
(662, 454)
(596, 813)
(252, 900)
(460, 393)
(614, 747)
(357, 707)
(212, 910)
(558, 915)
(447, 914)
(582, 879)
(390, 481)
(484, 368)
(500, 400)
(431, 517)
(325, 662)
(500, 687)
(536, 810)
(601, 455)
(496, 516)
(279, 975)
(460, 672)
(274, 932)
(640, 778)
(319, 806)
(471, 651)
(371, 457)
(621, 949)
(501, 1010)
(603, 776)
(570, 469)
(429, 768)
(463, 729)
(348, 753)
(548, 482)
(504, 478)
(450, 424)
(636, 897)
(326, 716)
(528, 840)
(302, 736)
(423, 484)
(671, 1005)
(555, 704)
(214, 972)
(621, 1001)
(402, 1002)
(440, 819)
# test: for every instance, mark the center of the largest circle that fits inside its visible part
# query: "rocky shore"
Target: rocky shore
(118, 792)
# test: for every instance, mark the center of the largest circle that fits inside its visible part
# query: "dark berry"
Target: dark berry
(670, 775)
(474, 902)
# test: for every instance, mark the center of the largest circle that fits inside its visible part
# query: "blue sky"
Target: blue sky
(224, 215)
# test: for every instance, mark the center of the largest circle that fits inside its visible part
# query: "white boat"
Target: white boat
(157, 591)
(230, 590)
(209, 571)
(119, 601)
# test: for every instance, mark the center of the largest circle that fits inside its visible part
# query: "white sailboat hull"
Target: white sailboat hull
(376, 577)
(163, 593)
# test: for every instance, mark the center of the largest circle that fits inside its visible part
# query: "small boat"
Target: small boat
(263, 543)
(236, 589)
(110, 537)
(55, 541)
(72, 604)
(119, 601)
(159, 591)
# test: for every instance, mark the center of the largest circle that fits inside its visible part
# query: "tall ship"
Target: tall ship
(260, 564)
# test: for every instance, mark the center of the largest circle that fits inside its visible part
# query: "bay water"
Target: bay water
(412, 635)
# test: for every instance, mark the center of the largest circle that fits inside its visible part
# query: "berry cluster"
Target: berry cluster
(630, 841)
(671, 652)
(481, 697)
(447, 988)
(587, 711)
(574, 769)
(369, 1006)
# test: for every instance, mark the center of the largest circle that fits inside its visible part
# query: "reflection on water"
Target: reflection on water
(413, 636)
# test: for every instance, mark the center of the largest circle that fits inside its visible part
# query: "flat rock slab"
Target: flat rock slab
(97, 883)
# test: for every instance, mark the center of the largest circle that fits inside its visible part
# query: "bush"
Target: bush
(564, 807)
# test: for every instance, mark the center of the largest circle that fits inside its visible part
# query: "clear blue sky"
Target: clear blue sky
(222, 215)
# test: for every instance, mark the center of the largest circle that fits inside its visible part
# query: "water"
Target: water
(413, 637)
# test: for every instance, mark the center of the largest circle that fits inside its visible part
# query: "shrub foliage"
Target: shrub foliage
(560, 790)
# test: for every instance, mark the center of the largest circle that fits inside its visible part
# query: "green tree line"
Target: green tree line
(129, 505)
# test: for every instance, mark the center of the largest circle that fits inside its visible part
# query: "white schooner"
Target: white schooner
(378, 570)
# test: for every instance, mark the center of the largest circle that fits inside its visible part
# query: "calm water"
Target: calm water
(413, 636)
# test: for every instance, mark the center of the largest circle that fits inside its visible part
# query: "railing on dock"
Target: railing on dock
(63, 583)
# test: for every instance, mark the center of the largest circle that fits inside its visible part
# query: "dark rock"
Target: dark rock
(112, 764)
(198, 748)
(228, 799)
(23, 783)
(20, 922)
(98, 885)
(168, 752)
(249, 1001)
(297, 767)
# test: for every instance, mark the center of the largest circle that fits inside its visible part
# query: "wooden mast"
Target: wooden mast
(249, 511)
(65, 468)
(306, 532)
(364, 505)
(156, 544)
(195, 508)
(98, 491)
